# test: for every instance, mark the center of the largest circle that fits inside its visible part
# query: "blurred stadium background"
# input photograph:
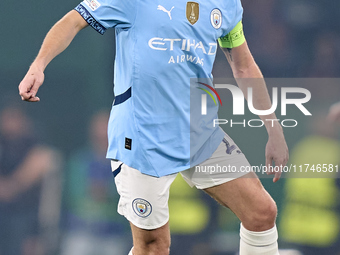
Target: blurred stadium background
(73, 205)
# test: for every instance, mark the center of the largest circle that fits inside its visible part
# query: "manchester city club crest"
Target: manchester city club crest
(193, 11)
(141, 207)
(216, 18)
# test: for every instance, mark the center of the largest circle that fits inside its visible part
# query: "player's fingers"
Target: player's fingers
(269, 159)
(25, 88)
(279, 164)
(34, 89)
(23, 92)
(277, 176)
(34, 99)
(25, 96)
(285, 159)
(28, 88)
(278, 173)
(269, 164)
(28, 97)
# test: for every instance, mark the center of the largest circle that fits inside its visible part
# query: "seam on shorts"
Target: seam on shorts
(222, 181)
(146, 227)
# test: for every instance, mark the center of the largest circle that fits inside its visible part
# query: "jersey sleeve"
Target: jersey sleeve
(235, 36)
(104, 14)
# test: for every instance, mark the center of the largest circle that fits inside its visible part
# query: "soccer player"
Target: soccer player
(160, 46)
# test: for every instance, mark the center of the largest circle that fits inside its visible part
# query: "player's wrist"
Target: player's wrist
(274, 128)
(38, 65)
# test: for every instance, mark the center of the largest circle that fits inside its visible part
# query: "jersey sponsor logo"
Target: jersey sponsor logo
(193, 11)
(186, 45)
(216, 18)
(141, 207)
(93, 4)
(161, 8)
(168, 44)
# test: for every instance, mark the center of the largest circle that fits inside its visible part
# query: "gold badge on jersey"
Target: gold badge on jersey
(193, 12)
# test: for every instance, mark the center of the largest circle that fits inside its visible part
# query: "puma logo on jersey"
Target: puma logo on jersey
(161, 8)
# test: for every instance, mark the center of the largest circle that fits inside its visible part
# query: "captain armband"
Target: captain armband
(234, 39)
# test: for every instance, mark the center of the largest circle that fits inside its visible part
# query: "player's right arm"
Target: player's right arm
(55, 42)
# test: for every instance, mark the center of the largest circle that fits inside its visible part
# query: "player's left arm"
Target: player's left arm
(248, 74)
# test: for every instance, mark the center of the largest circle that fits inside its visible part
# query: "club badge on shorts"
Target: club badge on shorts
(141, 207)
(216, 18)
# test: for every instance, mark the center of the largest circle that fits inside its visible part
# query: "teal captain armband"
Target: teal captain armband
(234, 39)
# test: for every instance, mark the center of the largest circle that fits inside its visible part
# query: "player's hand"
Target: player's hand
(277, 152)
(29, 86)
(334, 113)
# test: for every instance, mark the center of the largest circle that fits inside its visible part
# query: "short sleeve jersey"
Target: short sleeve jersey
(160, 46)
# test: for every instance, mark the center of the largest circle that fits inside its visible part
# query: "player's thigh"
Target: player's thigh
(143, 238)
(248, 199)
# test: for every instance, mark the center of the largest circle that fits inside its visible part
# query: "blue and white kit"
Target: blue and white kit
(161, 45)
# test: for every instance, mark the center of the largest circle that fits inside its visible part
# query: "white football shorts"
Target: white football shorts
(144, 199)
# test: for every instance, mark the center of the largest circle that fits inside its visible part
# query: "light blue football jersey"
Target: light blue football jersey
(160, 46)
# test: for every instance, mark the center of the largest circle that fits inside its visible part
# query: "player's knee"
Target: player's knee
(271, 212)
(263, 217)
(267, 214)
